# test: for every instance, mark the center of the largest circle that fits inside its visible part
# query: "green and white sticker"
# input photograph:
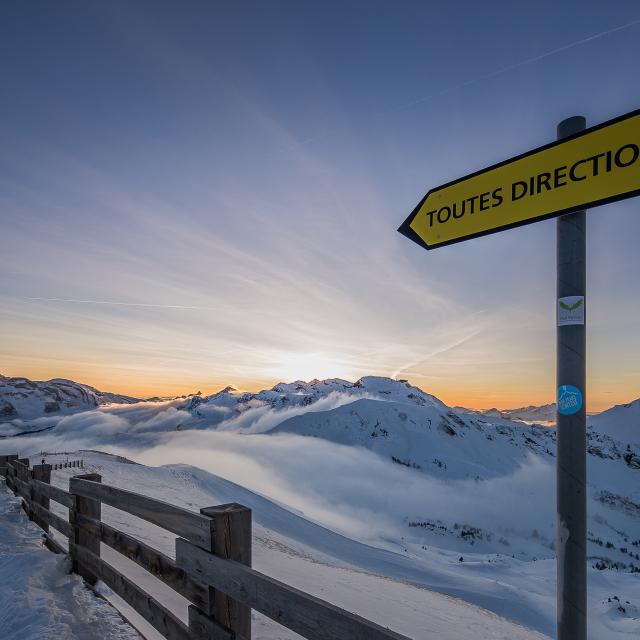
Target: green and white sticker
(570, 310)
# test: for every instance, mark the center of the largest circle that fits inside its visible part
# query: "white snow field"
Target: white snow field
(376, 496)
(39, 598)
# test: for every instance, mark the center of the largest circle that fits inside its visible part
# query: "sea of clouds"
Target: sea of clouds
(346, 488)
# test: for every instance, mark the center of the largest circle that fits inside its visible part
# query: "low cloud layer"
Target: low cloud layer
(349, 489)
(263, 418)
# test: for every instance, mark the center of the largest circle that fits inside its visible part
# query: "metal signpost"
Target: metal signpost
(571, 434)
(584, 168)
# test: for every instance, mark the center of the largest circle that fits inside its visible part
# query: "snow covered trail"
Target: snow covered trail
(39, 599)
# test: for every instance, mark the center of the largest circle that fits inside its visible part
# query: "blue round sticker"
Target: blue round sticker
(569, 400)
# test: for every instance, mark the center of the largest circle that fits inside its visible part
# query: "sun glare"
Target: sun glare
(307, 366)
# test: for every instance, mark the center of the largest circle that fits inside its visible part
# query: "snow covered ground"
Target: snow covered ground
(376, 496)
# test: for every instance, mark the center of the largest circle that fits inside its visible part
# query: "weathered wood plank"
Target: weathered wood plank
(51, 518)
(305, 614)
(231, 538)
(4, 462)
(21, 488)
(54, 493)
(203, 627)
(11, 473)
(149, 608)
(188, 524)
(23, 475)
(52, 545)
(92, 508)
(21, 465)
(155, 562)
(42, 474)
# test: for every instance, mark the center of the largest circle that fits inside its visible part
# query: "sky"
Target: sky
(200, 194)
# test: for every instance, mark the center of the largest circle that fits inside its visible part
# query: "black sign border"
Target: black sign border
(406, 230)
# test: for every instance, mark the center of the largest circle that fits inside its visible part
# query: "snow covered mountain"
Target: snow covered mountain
(428, 437)
(230, 401)
(231, 408)
(28, 399)
(543, 414)
(455, 446)
(621, 422)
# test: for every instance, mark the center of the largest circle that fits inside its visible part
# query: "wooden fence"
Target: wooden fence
(68, 463)
(212, 569)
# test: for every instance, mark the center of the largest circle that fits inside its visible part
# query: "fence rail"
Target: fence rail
(212, 569)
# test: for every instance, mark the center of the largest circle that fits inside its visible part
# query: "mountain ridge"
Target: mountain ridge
(22, 398)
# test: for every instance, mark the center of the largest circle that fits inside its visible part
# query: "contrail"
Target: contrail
(437, 352)
(124, 304)
(522, 63)
(487, 76)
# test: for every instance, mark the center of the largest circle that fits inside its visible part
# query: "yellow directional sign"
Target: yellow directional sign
(594, 167)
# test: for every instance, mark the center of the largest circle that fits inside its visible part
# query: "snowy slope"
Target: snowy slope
(456, 447)
(27, 399)
(392, 587)
(621, 422)
(431, 438)
(308, 556)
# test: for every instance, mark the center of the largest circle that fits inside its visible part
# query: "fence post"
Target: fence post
(41, 472)
(92, 509)
(10, 473)
(23, 473)
(15, 474)
(230, 538)
(4, 466)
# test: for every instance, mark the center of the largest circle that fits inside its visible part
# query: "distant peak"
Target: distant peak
(229, 389)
